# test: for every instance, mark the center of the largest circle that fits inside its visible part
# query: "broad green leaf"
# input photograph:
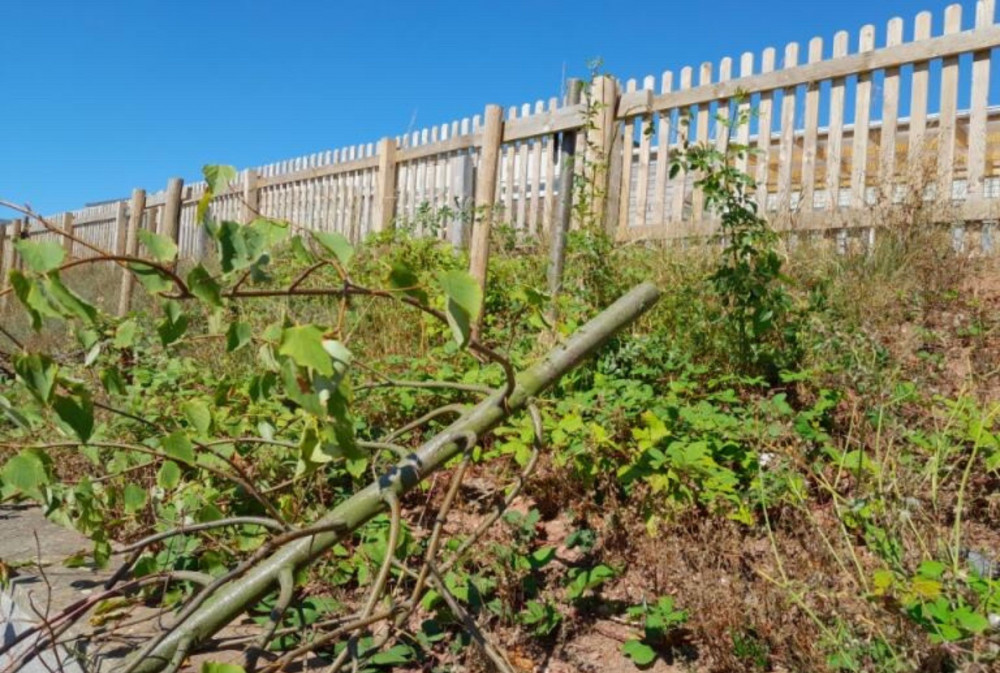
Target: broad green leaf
(169, 475)
(213, 667)
(8, 411)
(336, 244)
(640, 653)
(38, 373)
(134, 498)
(73, 305)
(311, 451)
(971, 621)
(304, 345)
(112, 380)
(160, 247)
(301, 253)
(125, 334)
(403, 279)
(237, 336)
(153, 279)
(41, 256)
(398, 654)
(465, 299)
(179, 447)
(28, 473)
(204, 287)
(198, 415)
(264, 233)
(76, 411)
(174, 323)
(29, 293)
(218, 176)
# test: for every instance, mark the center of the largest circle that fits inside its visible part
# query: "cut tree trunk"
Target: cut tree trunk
(235, 598)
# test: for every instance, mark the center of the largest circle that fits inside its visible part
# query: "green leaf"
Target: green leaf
(204, 287)
(29, 293)
(640, 653)
(403, 279)
(198, 415)
(153, 279)
(970, 621)
(213, 667)
(168, 476)
(336, 244)
(304, 345)
(13, 415)
(28, 473)
(72, 304)
(125, 334)
(76, 411)
(218, 176)
(179, 447)
(38, 373)
(160, 247)
(174, 323)
(465, 299)
(41, 256)
(134, 498)
(398, 654)
(237, 336)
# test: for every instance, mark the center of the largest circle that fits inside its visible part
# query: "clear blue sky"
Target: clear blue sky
(99, 96)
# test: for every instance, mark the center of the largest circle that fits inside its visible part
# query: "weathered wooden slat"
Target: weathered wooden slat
(662, 155)
(810, 133)
(628, 152)
(535, 176)
(949, 108)
(508, 171)
(743, 112)
(912, 52)
(890, 115)
(683, 129)
(835, 132)
(701, 137)
(916, 151)
(522, 176)
(786, 146)
(979, 102)
(645, 141)
(549, 159)
(765, 108)
(552, 121)
(862, 120)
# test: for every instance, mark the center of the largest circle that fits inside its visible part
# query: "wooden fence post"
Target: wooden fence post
(486, 187)
(251, 196)
(136, 206)
(67, 227)
(600, 140)
(385, 188)
(567, 161)
(9, 259)
(171, 224)
(121, 228)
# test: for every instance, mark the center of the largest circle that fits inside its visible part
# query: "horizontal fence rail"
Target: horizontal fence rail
(842, 133)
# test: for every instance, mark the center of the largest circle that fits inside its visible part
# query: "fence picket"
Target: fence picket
(835, 134)
(662, 155)
(810, 134)
(862, 122)
(786, 146)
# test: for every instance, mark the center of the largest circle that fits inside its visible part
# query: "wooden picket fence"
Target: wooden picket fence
(843, 131)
